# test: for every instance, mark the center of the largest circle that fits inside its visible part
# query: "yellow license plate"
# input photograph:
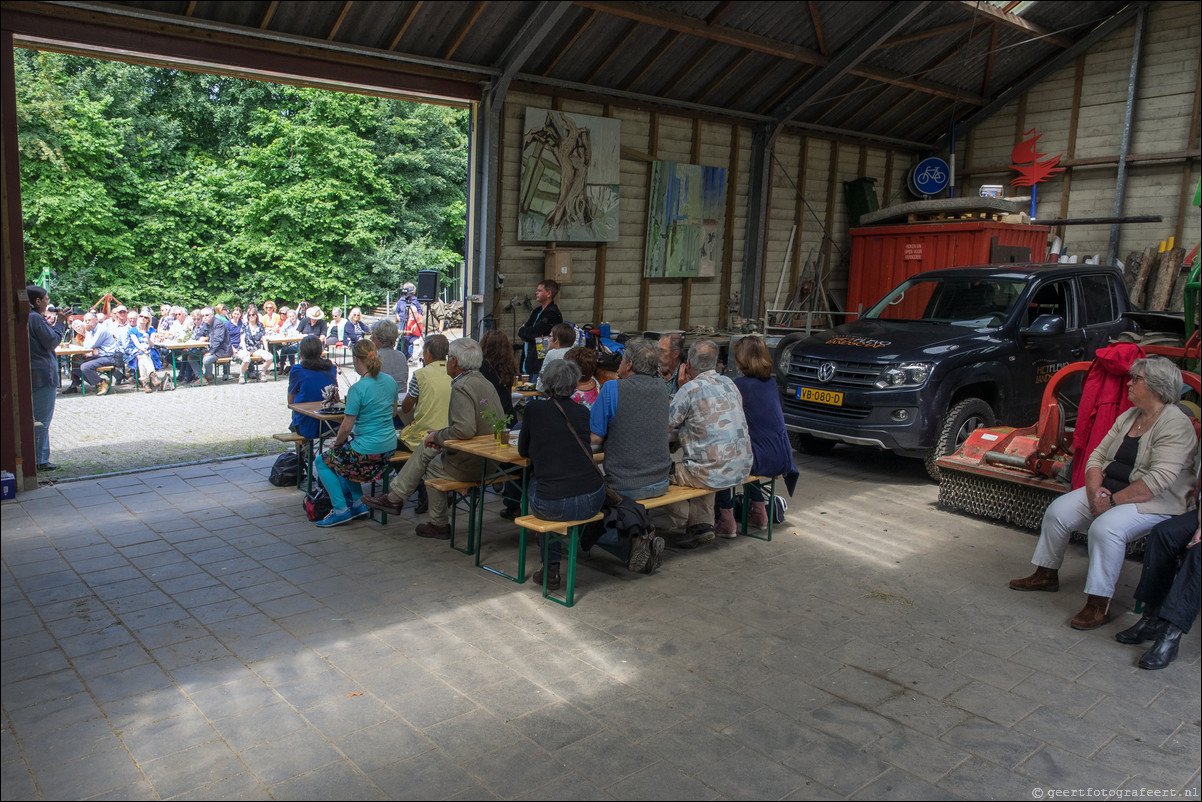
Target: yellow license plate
(819, 396)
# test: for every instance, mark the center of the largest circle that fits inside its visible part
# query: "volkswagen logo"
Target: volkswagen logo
(826, 371)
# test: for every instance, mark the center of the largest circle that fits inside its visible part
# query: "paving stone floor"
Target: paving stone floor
(187, 634)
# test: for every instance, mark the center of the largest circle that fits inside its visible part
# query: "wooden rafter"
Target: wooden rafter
(592, 15)
(653, 55)
(465, 26)
(764, 44)
(406, 21)
(988, 76)
(921, 107)
(267, 15)
(687, 69)
(927, 34)
(1012, 21)
(816, 19)
(764, 72)
(950, 52)
(721, 77)
(719, 12)
(190, 8)
(617, 47)
(346, 7)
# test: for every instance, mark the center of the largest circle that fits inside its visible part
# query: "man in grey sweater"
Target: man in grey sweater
(471, 395)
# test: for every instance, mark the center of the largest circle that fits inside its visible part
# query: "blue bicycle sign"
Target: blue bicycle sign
(929, 176)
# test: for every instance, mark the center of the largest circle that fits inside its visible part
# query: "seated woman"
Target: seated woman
(1140, 474)
(499, 366)
(365, 440)
(271, 319)
(566, 485)
(141, 353)
(587, 388)
(336, 328)
(252, 346)
(1171, 597)
(355, 328)
(288, 328)
(305, 383)
(772, 454)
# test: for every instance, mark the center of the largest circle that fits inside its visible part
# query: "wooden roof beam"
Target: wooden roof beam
(338, 22)
(406, 21)
(630, 29)
(465, 26)
(918, 36)
(995, 14)
(816, 19)
(588, 20)
(719, 12)
(653, 55)
(686, 69)
(763, 44)
(269, 14)
(721, 77)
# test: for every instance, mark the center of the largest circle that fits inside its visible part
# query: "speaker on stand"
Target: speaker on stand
(427, 293)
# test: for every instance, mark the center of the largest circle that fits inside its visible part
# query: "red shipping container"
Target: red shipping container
(884, 256)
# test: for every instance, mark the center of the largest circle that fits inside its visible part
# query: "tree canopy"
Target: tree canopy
(165, 185)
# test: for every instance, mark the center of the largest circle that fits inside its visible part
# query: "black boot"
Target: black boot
(1147, 628)
(423, 500)
(1164, 650)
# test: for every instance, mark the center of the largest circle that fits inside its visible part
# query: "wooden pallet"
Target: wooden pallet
(954, 217)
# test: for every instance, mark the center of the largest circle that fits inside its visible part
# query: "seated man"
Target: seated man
(707, 413)
(100, 339)
(1171, 597)
(428, 399)
(214, 332)
(471, 395)
(384, 334)
(119, 324)
(671, 362)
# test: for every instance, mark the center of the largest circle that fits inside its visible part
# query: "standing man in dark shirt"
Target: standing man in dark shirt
(539, 325)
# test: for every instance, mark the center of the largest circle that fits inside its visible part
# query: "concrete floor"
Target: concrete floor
(188, 634)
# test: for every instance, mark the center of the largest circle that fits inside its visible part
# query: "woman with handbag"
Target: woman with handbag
(566, 484)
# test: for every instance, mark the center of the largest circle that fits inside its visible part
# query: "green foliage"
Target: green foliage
(158, 184)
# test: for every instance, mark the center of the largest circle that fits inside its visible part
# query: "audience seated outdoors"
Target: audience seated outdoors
(313, 322)
(253, 346)
(103, 345)
(707, 414)
(365, 440)
(141, 353)
(355, 328)
(428, 400)
(335, 329)
(565, 484)
(305, 383)
(1142, 472)
(772, 453)
(471, 395)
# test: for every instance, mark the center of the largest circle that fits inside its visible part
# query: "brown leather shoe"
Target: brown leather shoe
(1094, 614)
(103, 387)
(1043, 579)
(433, 531)
(383, 503)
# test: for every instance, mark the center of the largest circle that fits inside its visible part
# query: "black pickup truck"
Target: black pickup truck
(944, 353)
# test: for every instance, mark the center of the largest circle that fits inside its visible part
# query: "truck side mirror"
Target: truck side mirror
(1046, 324)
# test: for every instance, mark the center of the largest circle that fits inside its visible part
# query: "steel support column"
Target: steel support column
(1120, 184)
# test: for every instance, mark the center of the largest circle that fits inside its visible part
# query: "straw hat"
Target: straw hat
(315, 313)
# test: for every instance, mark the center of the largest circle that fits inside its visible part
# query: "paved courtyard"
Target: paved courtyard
(186, 634)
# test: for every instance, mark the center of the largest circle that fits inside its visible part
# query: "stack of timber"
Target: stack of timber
(1156, 277)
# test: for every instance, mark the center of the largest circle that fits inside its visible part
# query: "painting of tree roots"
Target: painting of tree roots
(570, 176)
(685, 220)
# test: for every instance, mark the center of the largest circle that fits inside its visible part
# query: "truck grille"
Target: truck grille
(847, 374)
(825, 412)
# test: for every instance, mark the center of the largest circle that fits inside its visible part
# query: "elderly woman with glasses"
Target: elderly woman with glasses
(141, 352)
(1141, 473)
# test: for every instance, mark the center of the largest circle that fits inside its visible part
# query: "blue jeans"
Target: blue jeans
(43, 412)
(572, 508)
(343, 492)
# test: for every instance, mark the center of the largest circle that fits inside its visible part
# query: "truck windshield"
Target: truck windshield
(970, 302)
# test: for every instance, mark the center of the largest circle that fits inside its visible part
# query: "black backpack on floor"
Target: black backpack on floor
(317, 503)
(287, 471)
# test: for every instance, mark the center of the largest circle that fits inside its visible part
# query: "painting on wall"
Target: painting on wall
(570, 174)
(685, 220)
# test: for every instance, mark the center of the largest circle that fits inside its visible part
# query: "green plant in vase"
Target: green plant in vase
(499, 423)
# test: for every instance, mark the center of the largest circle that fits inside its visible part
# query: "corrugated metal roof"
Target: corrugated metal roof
(741, 58)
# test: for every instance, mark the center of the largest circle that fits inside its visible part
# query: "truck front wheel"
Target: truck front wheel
(961, 420)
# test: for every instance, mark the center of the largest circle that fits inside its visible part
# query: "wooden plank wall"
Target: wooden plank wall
(1167, 91)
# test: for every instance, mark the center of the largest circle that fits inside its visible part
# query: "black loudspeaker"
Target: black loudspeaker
(427, 286)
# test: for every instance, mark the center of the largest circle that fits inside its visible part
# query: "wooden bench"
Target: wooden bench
(568, 532)
(767, 486)
(395, 463)
(304, 454)
(224, 360)
(473, 493)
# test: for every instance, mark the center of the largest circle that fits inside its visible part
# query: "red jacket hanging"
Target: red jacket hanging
(1103, 399)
